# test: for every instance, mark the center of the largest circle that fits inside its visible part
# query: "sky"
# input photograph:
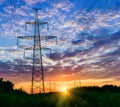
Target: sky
(88, 45)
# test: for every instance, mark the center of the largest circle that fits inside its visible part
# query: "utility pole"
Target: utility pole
(37, 81)
(54, 87)
(74, 84)
(50, 86)
(79, 83)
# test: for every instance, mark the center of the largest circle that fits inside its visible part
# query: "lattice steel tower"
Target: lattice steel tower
(37, 82)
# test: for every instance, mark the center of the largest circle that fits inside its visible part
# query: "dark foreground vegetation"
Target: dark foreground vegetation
(106, 96)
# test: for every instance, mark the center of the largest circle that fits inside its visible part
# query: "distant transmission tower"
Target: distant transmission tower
(37, 82)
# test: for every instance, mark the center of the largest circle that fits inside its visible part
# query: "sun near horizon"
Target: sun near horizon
(64, 86)
(63, 89)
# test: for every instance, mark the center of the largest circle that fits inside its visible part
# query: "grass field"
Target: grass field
(106, 96)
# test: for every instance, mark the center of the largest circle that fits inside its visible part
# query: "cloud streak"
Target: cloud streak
(88, 43)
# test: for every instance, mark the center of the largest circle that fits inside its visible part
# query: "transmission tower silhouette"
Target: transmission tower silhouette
(37, 81)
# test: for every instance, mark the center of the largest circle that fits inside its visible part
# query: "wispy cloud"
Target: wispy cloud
(2, 1)
(65, 6)
(32, 2)
(88, 43)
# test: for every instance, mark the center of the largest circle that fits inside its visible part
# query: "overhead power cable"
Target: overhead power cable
(12, 2)
(92, 5)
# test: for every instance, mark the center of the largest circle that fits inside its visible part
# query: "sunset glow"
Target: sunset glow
(87, 51)
(64, 89)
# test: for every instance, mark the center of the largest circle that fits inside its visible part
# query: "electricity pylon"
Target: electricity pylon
(37, 82)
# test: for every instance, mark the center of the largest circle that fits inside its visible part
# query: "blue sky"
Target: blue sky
(88, 38)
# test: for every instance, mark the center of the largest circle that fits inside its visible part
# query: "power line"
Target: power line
(92, 5)
(12, 2)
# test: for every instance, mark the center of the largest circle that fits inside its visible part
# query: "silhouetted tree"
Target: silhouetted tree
(19, 91)
(111, 88)
(6, 86)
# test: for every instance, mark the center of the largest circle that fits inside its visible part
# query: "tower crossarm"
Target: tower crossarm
(36, 22)
(32, 38)
(31, 23)
(41, 23)
(25, 37)
(49, 38)
(37, 48)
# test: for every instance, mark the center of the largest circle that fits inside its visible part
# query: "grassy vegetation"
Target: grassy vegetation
(106, 96)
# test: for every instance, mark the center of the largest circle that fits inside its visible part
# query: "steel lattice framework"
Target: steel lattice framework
(37, 82)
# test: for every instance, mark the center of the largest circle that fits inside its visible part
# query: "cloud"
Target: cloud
(2, 1)
(65, 6)
(32, 2)
(87, 48)
(21, 12)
